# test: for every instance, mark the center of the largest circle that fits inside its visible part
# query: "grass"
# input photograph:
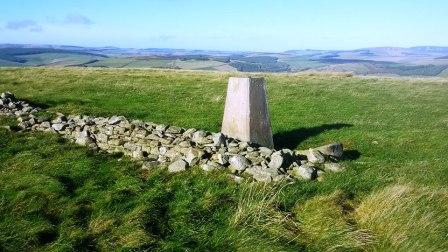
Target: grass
(392, 195)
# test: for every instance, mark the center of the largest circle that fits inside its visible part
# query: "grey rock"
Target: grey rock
(84, 139)
(188, 133)
(138, 154)
(59, 126)
(161, 127)
(185, 144)
(174, 130)
(173, 154)
(223, 159)
(233, 150)
(334, 150)
(193, 156)
(115, 120)
(315, 156)
(45, 125)
(101, 137)
(198, 134)
(218, 139)
(304, 172)
(209, 166)
(178, 166)
(276, 160)
(8, 95)
(265, 151)
(116, 142)
(243, 145)
(238, 162)
(259, 174)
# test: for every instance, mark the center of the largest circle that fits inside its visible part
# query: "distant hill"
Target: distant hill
(414, 61)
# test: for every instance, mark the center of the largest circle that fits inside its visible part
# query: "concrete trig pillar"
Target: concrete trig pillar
(246, 114)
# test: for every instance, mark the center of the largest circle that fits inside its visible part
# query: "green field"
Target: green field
(393, 195)
(56, 59)
(298, 63)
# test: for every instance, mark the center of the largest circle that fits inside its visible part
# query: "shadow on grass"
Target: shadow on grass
(37, 104)
(291, 139)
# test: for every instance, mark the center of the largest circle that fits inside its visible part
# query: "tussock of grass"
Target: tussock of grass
(257, 216)
(326, 224)
(406, 218)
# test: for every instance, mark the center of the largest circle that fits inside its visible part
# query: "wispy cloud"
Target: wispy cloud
(77, 19)
(21, 24)
(29, 24)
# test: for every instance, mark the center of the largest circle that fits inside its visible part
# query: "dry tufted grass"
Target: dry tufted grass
(406, 218)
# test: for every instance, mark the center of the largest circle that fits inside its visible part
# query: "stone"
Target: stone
(334, 150)
(333, 167)
(84, 139)
(102, 138)
(223, 159)
(161, 127)
(265, 151)
(238, 162)
(314, 156)
(198, 134)
(185, 144)
(115, 120)
(178, 166)
(174, 130)
(188, 133)
(193, 156)
(246, 115)
(259, 174)
(116, 142)
(304, 172)
(59, 126)
(218, 139)
(8, 95)
(45, 125)
(210, 166)
(173, 154)
(276, 160)
(138, 154)
(233, 150)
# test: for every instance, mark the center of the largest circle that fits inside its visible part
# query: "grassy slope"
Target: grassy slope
(394, 131)
(59, 59)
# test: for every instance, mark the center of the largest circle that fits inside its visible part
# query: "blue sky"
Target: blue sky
(262, 25)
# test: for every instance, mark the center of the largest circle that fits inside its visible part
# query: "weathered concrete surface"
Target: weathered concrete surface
(246, 115)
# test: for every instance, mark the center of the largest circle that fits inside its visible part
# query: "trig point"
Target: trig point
(246, 114)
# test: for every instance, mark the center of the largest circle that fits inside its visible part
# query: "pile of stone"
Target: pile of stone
(177, 148)
(10, 106)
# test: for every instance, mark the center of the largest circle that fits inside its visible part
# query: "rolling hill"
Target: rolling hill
(394, 61)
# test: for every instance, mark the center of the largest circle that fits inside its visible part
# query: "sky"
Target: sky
(236, 25)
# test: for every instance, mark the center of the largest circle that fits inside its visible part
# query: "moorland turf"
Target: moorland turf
(393, 195)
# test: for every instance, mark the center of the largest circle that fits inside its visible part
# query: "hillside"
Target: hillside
(392, 196)
(415, 61)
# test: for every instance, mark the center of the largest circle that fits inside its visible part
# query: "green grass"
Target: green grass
(392, 196)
